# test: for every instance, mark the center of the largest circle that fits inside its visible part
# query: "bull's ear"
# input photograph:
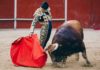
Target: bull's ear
(52, 47)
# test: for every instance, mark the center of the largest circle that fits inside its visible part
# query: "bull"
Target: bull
(67, 40)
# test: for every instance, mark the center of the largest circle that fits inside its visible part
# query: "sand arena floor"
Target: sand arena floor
(92, 42)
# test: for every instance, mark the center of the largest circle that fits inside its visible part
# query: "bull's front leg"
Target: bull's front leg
(77, 56)
(59, 64)
(64, 60)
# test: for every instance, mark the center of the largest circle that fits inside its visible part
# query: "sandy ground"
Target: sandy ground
(92, 42)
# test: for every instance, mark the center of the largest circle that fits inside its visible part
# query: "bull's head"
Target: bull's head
(58, 61)
(55, 52)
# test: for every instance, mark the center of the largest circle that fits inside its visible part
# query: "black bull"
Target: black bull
(67, 40)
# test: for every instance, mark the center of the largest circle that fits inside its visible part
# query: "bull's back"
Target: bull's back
(66, 34)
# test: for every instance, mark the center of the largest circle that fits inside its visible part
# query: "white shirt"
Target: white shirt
(37, 13)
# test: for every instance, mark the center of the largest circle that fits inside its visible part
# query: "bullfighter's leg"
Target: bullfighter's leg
(45, 34)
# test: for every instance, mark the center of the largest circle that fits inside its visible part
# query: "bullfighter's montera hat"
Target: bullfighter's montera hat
(44, 5)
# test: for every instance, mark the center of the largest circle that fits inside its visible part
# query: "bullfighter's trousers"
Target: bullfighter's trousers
(45, 33)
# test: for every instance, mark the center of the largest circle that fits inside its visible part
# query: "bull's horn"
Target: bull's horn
(56, 46)
(52, 47)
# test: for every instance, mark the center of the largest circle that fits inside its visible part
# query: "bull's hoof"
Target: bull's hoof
(87, 65)
(59, 65)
